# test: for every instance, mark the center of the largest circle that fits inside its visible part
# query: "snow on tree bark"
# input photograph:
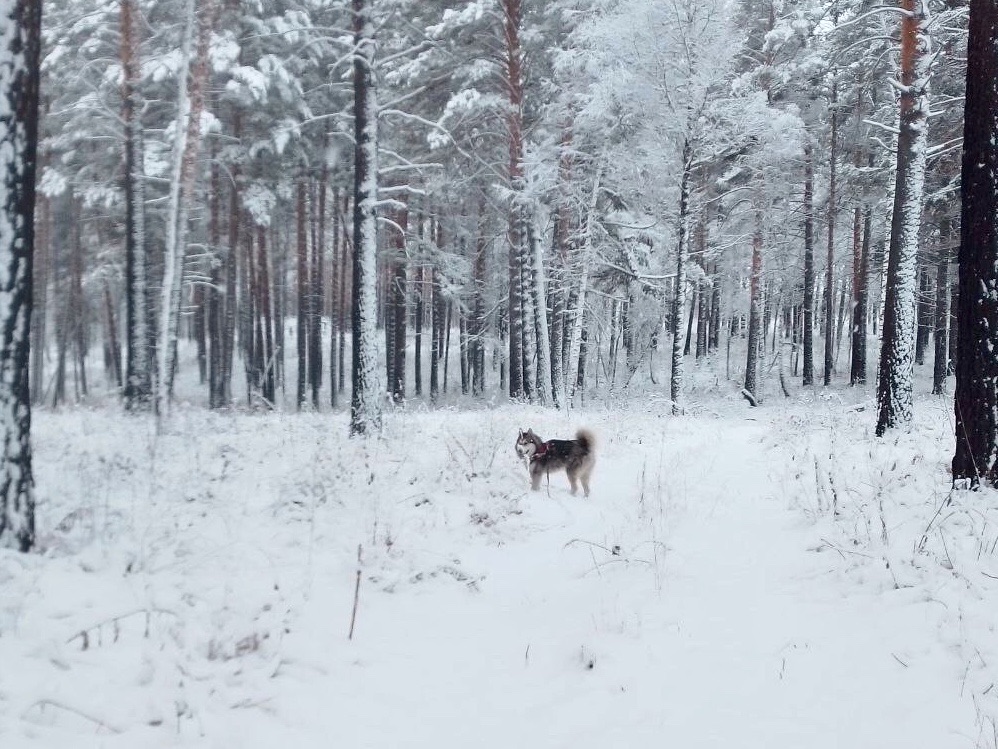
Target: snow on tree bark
(519, 380)
(545, 386)
(894, 383)
(679, 301)
(365, 404)
(187, 128)
(830, 260)
(808, 375)
(138, 359)
(976, 398)
(755, 314)
(20, 42)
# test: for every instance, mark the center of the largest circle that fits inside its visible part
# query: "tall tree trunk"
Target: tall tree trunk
(231, 307)
(894, 385)
(302, 296)
(861, 297)
(20, 43)
(679, 299)
(113, 344)
(940, 359)
(397, 308)
(924, 314)
(318, 290)
(77, 304)
(39, 320)
(808, 375)
(365, 404)
(417, 363)
(215, 295)
(479, 314)
(437, 314)
(337, 269)
(941, 332)
(976, 402)
(755, 314)
(519, 382)
(577, 316)
(191, 100)
(547, 390)
(346, 293)
(268, 359)
(830, 269)
(138, 359)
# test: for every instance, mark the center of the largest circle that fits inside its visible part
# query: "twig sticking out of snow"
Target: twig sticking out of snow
(43, 703)
(356, 593)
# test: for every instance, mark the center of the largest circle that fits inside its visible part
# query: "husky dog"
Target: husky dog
(576, 457)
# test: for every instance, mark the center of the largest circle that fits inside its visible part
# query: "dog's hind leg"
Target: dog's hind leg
(572, 481)
(585, 480)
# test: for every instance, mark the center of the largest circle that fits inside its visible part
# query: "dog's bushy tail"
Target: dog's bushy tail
(587, 439)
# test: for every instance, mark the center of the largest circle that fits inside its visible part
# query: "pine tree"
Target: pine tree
(976, 401)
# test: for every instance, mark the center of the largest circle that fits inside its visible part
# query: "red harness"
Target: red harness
(541, 450)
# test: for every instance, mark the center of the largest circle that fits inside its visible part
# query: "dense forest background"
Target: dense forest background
(572, 197)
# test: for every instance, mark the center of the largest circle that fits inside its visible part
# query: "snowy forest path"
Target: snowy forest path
(679, 603)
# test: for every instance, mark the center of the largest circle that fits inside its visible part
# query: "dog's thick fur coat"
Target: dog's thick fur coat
(576, 457)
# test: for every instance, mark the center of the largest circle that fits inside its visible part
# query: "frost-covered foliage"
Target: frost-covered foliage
(191, 593)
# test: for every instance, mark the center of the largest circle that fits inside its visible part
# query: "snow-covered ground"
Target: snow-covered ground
(771, 577)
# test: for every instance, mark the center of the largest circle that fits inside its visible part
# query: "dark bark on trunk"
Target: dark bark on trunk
(755, 313)
(808, 374)
(39, 320)
(337, 270)
(77, 304)
(976, 401)
(830, 260)
(18, 149)
(940, 332)
(480, 319)
(925, 314)
(302, 288)
(267, 357)
(437, 314)
(138, 323)
(861, 297)
(397, 308)
(513, 64)
(318, 291)
(418, 329)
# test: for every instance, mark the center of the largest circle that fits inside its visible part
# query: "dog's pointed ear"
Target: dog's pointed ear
(521, 433)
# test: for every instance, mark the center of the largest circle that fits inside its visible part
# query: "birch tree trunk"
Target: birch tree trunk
(365, 404)
(575, 366)
(894, 385)
(679, 300)
(545, 385)
(20, 43)
(187, 142)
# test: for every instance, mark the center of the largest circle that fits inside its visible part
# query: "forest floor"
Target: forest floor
(770, 577)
